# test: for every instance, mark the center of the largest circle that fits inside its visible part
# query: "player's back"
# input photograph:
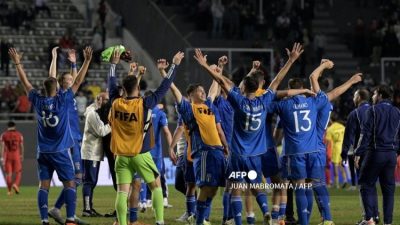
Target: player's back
(249, 132)
(53, 121)
(298, 116)
(226, 113)
(127, 125)
(12, 140)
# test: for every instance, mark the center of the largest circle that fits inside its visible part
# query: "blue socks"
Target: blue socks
(43, 196)
(208, 210)
(191, 205)
(70, 202)
(201, 211)
(310, 201)
(302, 204)
(143, 192)
(322, 197)
(282, 211)
(236, 205)
(225, 204)
(275, 212)
(262, 202)
(133, 214)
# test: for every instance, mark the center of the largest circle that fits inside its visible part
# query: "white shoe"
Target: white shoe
(205, 222)
(166, 205)
(229, 222)
(352, 188)
(142, 207)
(149, 204)
(191, 220)
(56, 215)
(183, 218)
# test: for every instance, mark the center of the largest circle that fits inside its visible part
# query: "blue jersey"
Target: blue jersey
(322, 122)
(54, 132)
(249, 132)
(73, 118)
(226, 113)
(298, 116)
(159, 120)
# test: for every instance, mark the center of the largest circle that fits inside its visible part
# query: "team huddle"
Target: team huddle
(230, 139)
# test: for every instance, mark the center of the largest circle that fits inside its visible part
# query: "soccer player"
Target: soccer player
(208, 145)
(319, 183)
(12, 155)
(248, 141)
(54, 137)
(92, 151)
(131, 137)
(65, 81)
(379, 140)
(335, 134)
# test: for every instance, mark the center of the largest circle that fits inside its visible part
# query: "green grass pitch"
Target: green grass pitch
(22, 208)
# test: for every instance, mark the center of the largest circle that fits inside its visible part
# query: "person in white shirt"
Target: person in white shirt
(92, 151)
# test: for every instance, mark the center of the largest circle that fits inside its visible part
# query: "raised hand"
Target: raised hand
(54, 52)
(115, 56)
(71, 55)
(200, 58)
(222, 61)
(327, 63)
(216, 68)
(15, 56)
(133, 68)
(142, 70)
(297, 50)
(178, 58)
(356, 78)
(256, 65)
(88, 53)
(162, 64)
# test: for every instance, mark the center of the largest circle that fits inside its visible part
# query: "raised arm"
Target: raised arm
(297, 50)
(53, 65)
(16, 58)
(202, 60)
(87, 53)
(72, 58)
(151, 100)
(293, 92)
(256, 65)
(213, 92)
(325, 64)
(344, 87)
(112, 79)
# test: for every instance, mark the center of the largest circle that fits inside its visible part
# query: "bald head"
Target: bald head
(102, 99)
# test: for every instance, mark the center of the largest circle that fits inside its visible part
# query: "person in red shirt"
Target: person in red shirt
(12, 154)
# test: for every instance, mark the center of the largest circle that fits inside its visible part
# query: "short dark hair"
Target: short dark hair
(259, 75)
(50, 85)
(295, 83)
(364, 94)
(10, 124)
(385, 91)
(60, 78)
(250, 84)
(129, 83)
(191, 88)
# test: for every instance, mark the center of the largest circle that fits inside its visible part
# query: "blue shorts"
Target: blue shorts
(239, 163)
(76, 156)
(302, 166)
(61, 162)
(271, 163)
(209, 168)
(188, 171)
